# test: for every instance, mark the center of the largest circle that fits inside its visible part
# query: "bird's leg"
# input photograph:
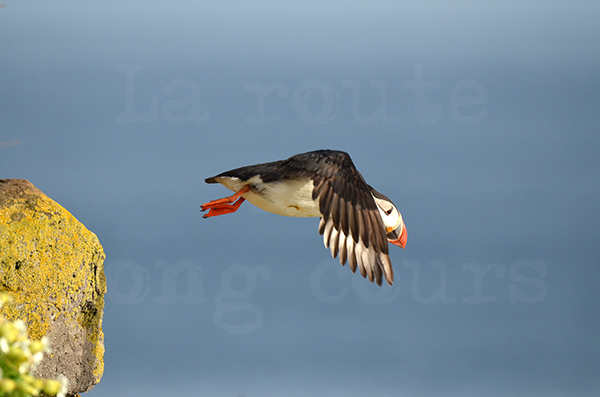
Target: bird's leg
(225, 205)
(226, 200)
(222, 209)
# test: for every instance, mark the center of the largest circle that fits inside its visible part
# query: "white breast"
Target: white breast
(291, 197)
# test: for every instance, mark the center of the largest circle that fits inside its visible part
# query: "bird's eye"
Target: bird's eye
(388, 211)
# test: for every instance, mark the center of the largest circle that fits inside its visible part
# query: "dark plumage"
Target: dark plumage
(352, 222)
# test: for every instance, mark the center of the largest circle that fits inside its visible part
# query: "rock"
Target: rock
(53, 267)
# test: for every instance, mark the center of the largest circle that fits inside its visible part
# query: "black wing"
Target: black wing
(350, 224)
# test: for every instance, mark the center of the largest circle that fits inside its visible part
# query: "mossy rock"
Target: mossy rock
(53, 268)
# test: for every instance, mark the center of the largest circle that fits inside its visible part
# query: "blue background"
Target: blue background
(479, 119)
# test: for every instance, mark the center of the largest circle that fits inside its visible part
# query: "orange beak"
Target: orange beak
(401, 242)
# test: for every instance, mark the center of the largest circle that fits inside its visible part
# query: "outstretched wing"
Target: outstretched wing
(350, 223)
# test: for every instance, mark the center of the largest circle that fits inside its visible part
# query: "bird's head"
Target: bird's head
(392, 219)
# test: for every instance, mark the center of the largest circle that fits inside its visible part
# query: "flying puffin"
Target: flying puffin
(356, 220)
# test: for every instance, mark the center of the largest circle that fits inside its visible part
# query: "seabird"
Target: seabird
(356, 221)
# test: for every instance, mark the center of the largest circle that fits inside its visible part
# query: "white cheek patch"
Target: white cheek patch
(392, 220)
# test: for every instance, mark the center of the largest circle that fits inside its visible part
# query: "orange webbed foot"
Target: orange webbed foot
(226, 205)
(222, 208)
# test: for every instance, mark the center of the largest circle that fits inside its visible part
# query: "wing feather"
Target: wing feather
(350, 221)
(343, 248)
(350, 245)
(335, 208)
(327, 233)
(333, 242)
(360, 248)
(322, 224)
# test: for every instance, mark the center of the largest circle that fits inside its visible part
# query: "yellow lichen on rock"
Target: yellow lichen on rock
(53, 267)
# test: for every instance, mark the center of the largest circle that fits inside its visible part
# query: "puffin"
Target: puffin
(356, 221)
